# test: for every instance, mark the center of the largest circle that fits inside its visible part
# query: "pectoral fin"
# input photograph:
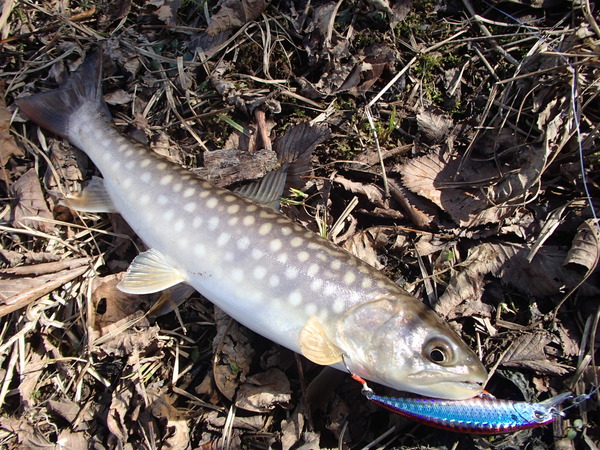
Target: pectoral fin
(316, 346)
(93, 198)
(148, 273)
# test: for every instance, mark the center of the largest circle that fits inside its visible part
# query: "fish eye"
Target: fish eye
(439, 351)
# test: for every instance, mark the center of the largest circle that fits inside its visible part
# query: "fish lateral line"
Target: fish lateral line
(483, 414)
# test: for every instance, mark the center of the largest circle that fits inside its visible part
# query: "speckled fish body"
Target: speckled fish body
(267, 272)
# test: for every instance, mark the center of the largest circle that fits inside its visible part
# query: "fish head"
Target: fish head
(398, 342)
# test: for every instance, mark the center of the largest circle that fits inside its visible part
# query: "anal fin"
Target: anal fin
(94, 198)
(150, 272)
(316, 346)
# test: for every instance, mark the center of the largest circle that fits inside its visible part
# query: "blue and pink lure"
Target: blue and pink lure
(484, 414)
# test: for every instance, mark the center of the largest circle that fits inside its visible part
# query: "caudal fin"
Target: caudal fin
(53, 110)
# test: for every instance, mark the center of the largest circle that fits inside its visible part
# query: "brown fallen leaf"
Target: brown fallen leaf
(527, 352)
(362, 246)
(434, 125)
(585, 249)
(23, 285)
(8, 146)
(234, 13)
(176, 432)
(115, 313)
(264, 391)
(29, 203)
(28, 435)
(233, 354)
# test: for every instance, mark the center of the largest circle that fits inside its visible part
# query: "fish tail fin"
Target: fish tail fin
(54, 109)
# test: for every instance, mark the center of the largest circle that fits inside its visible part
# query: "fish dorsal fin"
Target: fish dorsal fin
(94, 198)
(148, 273)
(316, 346)
(267, 190)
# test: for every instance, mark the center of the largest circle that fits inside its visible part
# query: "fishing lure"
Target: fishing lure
(484, 414)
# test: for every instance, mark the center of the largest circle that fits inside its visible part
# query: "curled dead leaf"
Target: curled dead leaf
(585, 249)
(29, 207)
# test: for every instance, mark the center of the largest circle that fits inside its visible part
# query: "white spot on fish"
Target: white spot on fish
(248, 220)
(168, 215)
(233, 221)
(212, 202)
(146, 177)
(273, 281)
(243, 243)
(213, 223)
(229, 256)
(349, 277)
(275, 245)
(190, 207)
(251, 208)
(296, 242)
(291, 273)
(286, 231)
(323, 315)
(166, 180)
(311, 309)
(303, 257)
(162, 200)
(237, 275)
(161, 166)
(329, 290)
(230, 198)
(144, 199)
(336, 264)
(338, 306)
(130, 165)
(282, 258)
(145, 163)
(232, 209)
(177, 187)
(267, 215)
(179, 226)
(295, 298)
(313, 269)
(259, 272)
(126, 183)
(126, 149)
(316, 284)
(223, 239)
(265, 229)
(189, 192)
(257, 254)
(197, 222)
(366, 283)
(200, 250)
(204, 194)
(116, 164)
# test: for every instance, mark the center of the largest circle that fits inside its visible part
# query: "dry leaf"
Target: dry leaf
(373, 192)
(29, 203)
(434, 125)
(23, 285)
(176, 432)
(233, 354)
(362, 246)
(234, 13)
(585, 247)
(8, 146)
(527, 352)
(263, 391)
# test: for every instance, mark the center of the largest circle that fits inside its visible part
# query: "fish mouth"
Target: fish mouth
(429, 377)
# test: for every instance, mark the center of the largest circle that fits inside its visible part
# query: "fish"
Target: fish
(267, 272)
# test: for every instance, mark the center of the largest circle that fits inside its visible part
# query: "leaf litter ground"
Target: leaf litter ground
(462, 139)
